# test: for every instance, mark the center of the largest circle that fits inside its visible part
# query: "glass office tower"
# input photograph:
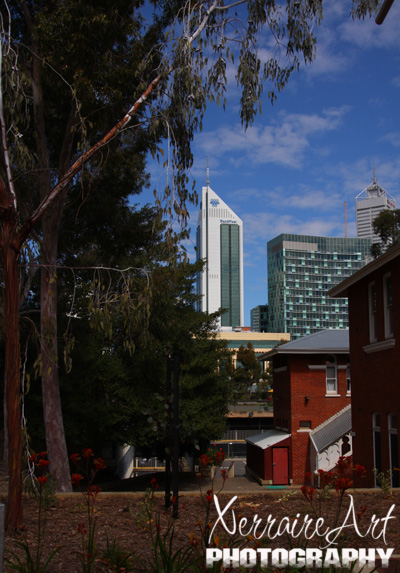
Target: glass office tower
(301, 271)
(259, 318)
(220, 244)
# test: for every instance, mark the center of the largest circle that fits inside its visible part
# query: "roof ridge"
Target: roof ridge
(331, 418)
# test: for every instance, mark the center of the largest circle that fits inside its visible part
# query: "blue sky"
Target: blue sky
(314, 149)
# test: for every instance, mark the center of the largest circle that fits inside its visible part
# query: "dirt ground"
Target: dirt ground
(122, 517)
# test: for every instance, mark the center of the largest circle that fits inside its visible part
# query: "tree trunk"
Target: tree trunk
(13, 385)
(52, 412)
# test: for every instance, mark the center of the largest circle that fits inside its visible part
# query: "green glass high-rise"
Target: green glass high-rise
(301, 271)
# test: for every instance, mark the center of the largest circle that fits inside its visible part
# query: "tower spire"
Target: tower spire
(373, 175)
(208, 172)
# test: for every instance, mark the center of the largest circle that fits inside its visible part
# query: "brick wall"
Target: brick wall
(375, 375)
(300, 395)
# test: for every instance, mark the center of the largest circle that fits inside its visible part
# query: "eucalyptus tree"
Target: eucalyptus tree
(387, 226)
(68, 70)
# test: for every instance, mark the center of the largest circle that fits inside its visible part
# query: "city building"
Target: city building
(312, 411)
(219, 244)
(259, 318)
(301, 271)
(374, 312)
(261, 341)
(369, 203)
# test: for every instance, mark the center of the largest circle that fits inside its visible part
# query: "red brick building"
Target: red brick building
(374, 319)
(312, 415)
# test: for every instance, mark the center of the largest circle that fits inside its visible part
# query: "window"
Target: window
(331, 375)
(387, 305)
(348, 379)
(305, 424)
(393, 448)
(376, 427)
(372, 311)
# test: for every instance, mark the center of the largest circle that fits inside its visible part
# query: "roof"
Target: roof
(341, 290)
(332, 429)
(267, 439)
(321, 342)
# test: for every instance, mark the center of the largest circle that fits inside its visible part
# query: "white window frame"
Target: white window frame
(387, 306)
(348, 379)
(376, 429)
(393, 430)
(329, 367)
(372, 311)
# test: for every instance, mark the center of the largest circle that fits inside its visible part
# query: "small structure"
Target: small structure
(374, 304)
(311, 381)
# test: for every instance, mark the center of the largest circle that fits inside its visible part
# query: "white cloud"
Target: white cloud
(261, 227)
(393, 138)
(367, 34)
(283, 142)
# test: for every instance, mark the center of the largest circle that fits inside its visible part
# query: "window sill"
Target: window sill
(378, 346)
(304, 429)
(332, 395)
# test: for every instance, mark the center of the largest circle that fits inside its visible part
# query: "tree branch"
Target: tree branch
(79, 164)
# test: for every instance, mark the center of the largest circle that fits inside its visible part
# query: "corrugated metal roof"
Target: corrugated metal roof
(333, 341)
(267, 439)
(332, 429)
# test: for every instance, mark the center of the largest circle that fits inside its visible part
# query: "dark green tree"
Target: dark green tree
(248, 371)
(387, 226)
(127, 393)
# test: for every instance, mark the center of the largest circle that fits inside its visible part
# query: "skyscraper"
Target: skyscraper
(301, 271)
(220, 244)
(259, 318)
(369, 203)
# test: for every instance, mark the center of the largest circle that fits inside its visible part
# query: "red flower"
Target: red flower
(344, 465)
(81, 528)
(43, 463)
(76, 479)
(42, 480)
(99, 463)
(341, 484)
(205, 460)
(325, 478)
(75, 458)
(93, 491)
(154, 484)
(223, 473)
(87, 452)
(308, 492)
(360, 470)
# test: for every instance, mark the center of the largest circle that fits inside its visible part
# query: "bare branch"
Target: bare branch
(5, 45)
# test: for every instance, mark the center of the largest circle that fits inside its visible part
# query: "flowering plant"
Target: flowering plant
(41, 488)
(340, 479)
(87, 467)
